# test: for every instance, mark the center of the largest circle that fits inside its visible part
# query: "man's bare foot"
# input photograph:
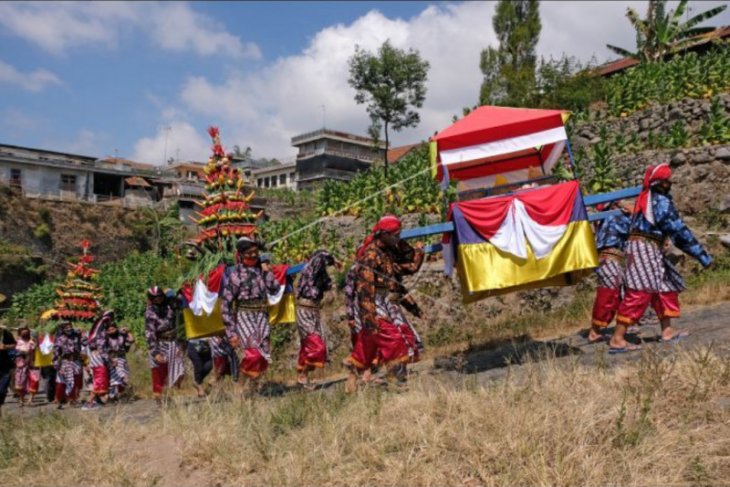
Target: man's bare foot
(669, 334)
(595, 336)
(351, 383)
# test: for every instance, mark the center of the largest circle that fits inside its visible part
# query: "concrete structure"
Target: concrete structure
(276, 176)
(328, 154)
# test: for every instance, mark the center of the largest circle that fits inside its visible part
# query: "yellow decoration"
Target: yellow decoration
(204, 325)
(40, 360)
(484, 270)
(284, 311)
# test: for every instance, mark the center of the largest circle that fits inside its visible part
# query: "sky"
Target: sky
(143, 80)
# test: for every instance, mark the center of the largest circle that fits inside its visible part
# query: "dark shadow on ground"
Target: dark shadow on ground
(503, 353)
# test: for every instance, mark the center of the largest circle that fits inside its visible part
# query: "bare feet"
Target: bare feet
(351, 383)
(595, 335)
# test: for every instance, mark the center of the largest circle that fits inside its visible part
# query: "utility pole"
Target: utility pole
(167, 129)
(324, 116)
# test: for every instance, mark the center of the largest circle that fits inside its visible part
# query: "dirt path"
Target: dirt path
(158, 456)
(708, 326)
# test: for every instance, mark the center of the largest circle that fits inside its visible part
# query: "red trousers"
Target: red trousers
(253, 364)
(61, 390)
(605, 306)
(159, 378)
(394, 342)
(100, 383)
(221, 366)
(365, 349)
(632, 308)
(312, 352)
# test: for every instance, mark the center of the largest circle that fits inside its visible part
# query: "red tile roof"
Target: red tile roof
(396, 153)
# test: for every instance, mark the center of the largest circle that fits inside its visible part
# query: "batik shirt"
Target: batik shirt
(157, 320)
(375, 271)
(613, 232)
(246, 284)
(65, 346)
(314, 280)
(408, 262)
(115, 346)
(670, 225)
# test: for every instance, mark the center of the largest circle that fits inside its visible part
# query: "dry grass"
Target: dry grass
(657, 422)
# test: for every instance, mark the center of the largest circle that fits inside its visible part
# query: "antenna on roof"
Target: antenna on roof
(324, 116)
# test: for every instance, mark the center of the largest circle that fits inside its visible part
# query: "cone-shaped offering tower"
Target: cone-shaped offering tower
(79, 295)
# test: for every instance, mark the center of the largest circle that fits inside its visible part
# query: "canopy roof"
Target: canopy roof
(496, 140)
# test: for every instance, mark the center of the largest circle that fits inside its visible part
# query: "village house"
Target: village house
(329, 154)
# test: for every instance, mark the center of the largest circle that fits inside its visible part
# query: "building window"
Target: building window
(291, 178)
(266, 182)
(68, 182)
(15, 177)
(259, 182)
(273, 181)
(282, 179)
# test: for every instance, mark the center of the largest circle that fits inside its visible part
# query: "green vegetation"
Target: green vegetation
(509, 70)
(393, 84)
(662, 32)
(687, 76)
(408, 188)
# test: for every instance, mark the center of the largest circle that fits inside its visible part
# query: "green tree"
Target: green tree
(509, 70)
(392, 83)
(662, 32)
(567, 83)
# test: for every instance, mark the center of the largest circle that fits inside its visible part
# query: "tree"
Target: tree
(509, 70)
(392, 83)
(661, 33)
(241, 154)
(567, 83)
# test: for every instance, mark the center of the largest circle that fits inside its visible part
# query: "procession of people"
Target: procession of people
(633, 273)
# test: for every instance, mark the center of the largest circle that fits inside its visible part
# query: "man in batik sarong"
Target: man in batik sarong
(244, 307)
(650, 277)
(27, 377)
(67, 361)
(165, 355)
(313, 283)
(115, 346)
(610, 242)
(378, 289)
(97, 365)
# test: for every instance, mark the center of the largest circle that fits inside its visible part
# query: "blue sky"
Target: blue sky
(106, 78)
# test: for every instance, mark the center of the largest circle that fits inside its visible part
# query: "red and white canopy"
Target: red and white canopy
(499, 145)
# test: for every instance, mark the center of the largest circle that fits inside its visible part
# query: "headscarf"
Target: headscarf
(314, 279)
(388, 223)
(652, 175)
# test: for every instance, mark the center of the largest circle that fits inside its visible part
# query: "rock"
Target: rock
(724, 205)
(722, 152)
(725, 241)
(700, 156)
(678, 158)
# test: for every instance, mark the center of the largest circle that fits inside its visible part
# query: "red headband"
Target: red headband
(388, 223)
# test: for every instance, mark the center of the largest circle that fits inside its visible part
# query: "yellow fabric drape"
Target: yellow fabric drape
(284, 311)
(204, 325)
(485, 270)
(40, 360)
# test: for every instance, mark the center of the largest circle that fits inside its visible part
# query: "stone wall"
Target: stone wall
(655, 119)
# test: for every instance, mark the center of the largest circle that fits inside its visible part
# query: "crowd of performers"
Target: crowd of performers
(634, 272)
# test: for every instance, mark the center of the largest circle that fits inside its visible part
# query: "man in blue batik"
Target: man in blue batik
(610, 242)
(650, 277)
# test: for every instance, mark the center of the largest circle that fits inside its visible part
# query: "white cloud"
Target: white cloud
(190, 141)
(86, 142)
(60, 26)
(265, 108)
(32, 81)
